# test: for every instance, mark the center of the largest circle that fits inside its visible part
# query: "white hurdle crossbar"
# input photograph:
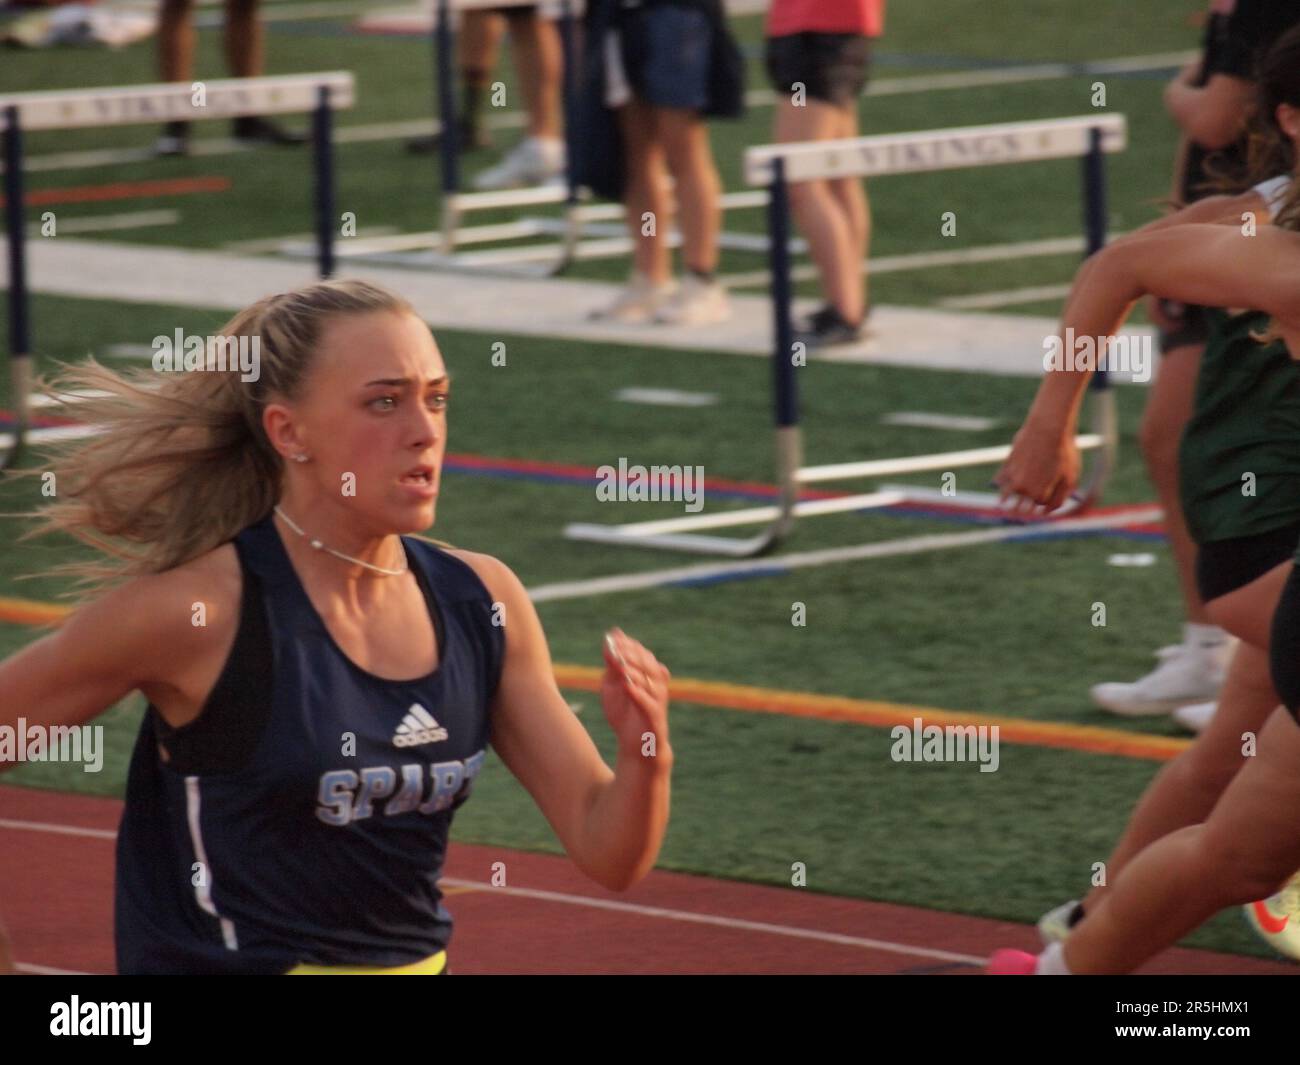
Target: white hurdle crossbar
(128, 105)
(776, 166)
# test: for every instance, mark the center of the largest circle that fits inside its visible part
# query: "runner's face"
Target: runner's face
(376, 408)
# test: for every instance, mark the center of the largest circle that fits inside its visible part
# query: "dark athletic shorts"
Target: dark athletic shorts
(1284, 645)
(831, 66)
(1193, 327)
(667, 52)
(1226, 565)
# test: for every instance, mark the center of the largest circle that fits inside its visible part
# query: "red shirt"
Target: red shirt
(866, 17)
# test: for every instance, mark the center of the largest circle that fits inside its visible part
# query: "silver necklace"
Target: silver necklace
(339, 554)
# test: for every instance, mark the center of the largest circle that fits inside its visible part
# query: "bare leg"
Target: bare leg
(539, 60)
(646, 191)
(685, 137)
(852, 195)
(827, 220)
(1245, 851)
(1168, 408)
(244, 38)
(1185, 791)
(176, 40)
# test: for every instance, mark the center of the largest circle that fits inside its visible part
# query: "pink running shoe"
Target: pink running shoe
(1011, 963)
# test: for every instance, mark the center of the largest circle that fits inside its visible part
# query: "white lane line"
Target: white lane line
(63, 830)
(666, 397)
(925, 260)
(101, 223)
(716, 921)
(911, 545)
(47, 970)
(920, 419)
(214, 146)
(986, 301)
(623, 907)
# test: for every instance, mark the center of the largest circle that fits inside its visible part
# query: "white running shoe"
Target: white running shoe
(533, 161)
(1187, 674)
(697, 302)
(1196, 716)
(1277, 918)
(638, 303)
(1054, 925)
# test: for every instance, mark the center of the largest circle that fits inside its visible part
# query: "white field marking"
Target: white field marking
(924, 420)
(263, 245)
(61, 432)
(666, 397)
(47, 970)
(986, 301)
(618, 907)
(126, 351)
(99, 223)
(790, 931)
(62, 830)
(911, 545)
(925, 260)
(208, 146)
(69, 398)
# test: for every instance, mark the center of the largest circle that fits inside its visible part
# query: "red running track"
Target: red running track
(57, 891)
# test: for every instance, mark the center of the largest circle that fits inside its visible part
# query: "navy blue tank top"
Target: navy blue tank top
(303, 816)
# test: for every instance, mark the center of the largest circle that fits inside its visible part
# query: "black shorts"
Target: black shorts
(1284, 645)
(1193, 325)
(831, 66)
(1226, 565)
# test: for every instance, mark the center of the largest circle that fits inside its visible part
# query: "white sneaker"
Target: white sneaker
(1186, 674)
(697, 302)
(638, 303)
(1196, 716)
(533, 161)
(1054, 925)
(1277, 918)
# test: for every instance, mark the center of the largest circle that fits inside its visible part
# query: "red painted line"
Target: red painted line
(125, 190)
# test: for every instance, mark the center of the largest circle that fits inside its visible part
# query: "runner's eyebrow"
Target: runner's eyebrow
(402, 382)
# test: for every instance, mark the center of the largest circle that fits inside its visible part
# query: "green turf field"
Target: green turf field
(1000, 629)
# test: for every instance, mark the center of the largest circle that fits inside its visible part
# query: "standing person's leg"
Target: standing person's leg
(698, 188)
(477, 46)
(645, 193)
(244, 45)
(852, 195)
(539, 67)
(176, 42)
(1193, 672)
(822, 210)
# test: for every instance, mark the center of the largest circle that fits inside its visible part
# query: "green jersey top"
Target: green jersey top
(1239, 459)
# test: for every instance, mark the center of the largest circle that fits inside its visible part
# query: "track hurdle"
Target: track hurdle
(130, 105)
(582, 231)
(1089, 138)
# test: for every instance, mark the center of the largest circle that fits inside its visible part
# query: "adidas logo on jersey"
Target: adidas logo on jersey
(418, 727)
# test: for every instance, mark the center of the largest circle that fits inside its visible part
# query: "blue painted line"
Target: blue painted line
(724, 578)
(921, 513)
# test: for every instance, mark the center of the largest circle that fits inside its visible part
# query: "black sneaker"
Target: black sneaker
(467, 139)
(253, 129)
(175, 140)
(827, 327)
